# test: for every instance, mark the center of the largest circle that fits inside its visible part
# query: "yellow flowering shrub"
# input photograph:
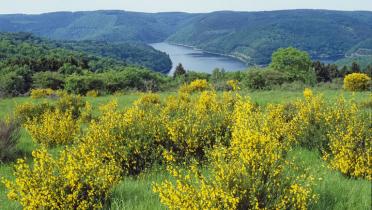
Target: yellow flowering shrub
(92, 93)
(148, 99)
(340, 131)
(247, 175)
(183, 124)
(132, 137)
(86, 113)
(53, 128)
(41, 93)
(77, 179)
(309, 114)
(75, 103)
(196, 85)
(233, 85)
(28, 110)
(195, 125)
(350, 140)
(65, 102)
(357, 82)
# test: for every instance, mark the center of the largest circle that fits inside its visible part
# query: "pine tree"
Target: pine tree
(179, 71)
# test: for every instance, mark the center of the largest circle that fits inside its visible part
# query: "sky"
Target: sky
(42, 6)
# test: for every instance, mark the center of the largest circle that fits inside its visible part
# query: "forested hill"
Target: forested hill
(121, 53)
(118, 26)
(326, 35)
(251, 36)
(29, 62)
(131, 53)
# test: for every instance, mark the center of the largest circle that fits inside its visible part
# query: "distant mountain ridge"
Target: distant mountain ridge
(249, 36)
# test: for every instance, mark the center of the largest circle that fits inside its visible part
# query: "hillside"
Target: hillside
(363, 61)
(27, 62)
(326, 35)
(118, 26)
(131, 53)
(123, 53)
(250, 36)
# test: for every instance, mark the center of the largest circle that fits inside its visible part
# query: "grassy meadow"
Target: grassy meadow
(334, 189)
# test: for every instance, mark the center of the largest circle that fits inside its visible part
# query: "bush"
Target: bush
(92, 93)
(48, 79)
(357, 82)
(340, 131)
(350, 143)
(186, 125)
(264, 78)
(233, 85)
(70, 102)
(41, 93)
(84, 83)
(130, 138)
(53, 128)
(310, 114)
(195, 125)
(250, 174)
(28, 110)
(77, 179)
(192, 75)
(196, 85)
(11, 84)
(9, 136)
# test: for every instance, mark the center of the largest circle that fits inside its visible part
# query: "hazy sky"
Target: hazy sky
(41, 6)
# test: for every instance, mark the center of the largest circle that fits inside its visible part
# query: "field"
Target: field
(335, 191)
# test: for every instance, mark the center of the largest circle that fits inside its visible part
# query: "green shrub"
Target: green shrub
(11, 84)
(9, 136)
(264, 78)
(48, 79)
(81, 84)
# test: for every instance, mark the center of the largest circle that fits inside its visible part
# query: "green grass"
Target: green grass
(136, 193)
(335, 190)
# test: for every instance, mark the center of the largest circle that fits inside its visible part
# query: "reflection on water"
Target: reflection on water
(197, 60)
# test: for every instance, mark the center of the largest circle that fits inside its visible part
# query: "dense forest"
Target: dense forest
(131, 53)
(29, 62)
(250, 36)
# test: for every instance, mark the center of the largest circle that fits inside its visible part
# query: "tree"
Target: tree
(48, 79)
(218, 75)
(333, 71)
(322, 72)
(355, 68)
(295, 63)
(369, 70)
(179, 71)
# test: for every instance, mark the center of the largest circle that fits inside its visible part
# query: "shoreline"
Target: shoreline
(210, 52)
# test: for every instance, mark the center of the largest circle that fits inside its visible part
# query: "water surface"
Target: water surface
(198, 60)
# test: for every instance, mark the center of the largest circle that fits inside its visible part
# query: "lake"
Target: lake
(198, 60)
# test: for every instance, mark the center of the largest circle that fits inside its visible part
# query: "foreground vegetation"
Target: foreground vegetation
(159, 127)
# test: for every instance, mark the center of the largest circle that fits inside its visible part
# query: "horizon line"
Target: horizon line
(122, 10)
